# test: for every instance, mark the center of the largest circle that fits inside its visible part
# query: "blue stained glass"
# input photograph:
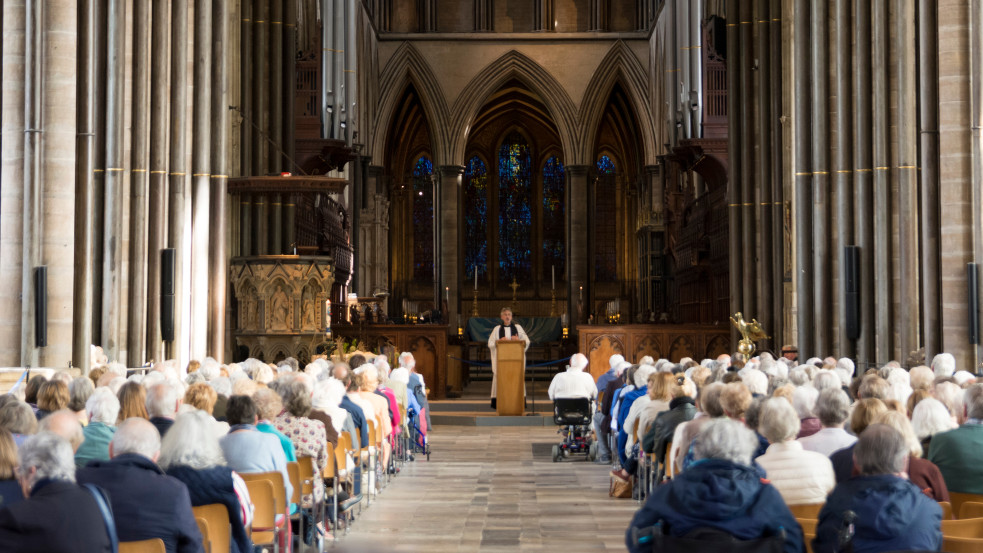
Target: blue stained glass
(423, 220)
(475, 218)
(554, 242)
(514, 210)
(605, 165)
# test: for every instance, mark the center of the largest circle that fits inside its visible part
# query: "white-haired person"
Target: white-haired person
(802, 477)
(943, 365)
(832, 409)
(58, 516)
(573, 382)
(308, 435)
(508, 330)
(192, 455)
(608, 388)
(79, 391)
(64, 423)
(930, 417)
(921, 472)
(368, 381)
(146, 504)
(722, 490)
(102, 410)
(804, 401)
(889, 513)
(395, 393)
(756, 381)
(416, 386)
(640, 381)
(163, 401)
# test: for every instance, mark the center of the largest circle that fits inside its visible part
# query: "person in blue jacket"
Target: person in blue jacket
(886, 511)
(720, 490)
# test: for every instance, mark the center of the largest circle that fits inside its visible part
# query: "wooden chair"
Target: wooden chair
(279, 488)
(219, 531)
(970, 509)
(667, 468)
(952, 545)
(203, 528)
(963, 528)
(957, 499)
(155, 545)
(807, 537)
(946, 510)
(808, 524)
(806, 511)
(266, 529)
(293, 471)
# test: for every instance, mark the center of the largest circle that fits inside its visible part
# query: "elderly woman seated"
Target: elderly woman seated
(719, 491)
(802, 477)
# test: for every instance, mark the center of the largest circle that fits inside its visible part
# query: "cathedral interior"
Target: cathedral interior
(259, 178)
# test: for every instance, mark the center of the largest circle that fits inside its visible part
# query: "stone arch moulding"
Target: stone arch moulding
(407, 67)
(619, 65)
(512, 65)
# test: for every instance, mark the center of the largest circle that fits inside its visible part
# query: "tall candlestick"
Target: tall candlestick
(553, 268)
(447, 295)
(581, 293)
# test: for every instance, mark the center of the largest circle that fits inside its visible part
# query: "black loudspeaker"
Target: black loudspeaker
(41, 306)
(973, 299)
(851, 291)
(167, 257)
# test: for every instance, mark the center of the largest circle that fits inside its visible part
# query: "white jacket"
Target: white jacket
(572, 383)
(801, 477)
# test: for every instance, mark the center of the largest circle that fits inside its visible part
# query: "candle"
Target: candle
(447, 295)
(581, 293)
(327, 314)
(476, 277)
(553, 268)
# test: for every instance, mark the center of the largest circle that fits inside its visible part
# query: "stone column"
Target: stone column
(450, 239)
(544, 16)
(578, 258)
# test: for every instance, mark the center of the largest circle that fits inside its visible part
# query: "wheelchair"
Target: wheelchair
(574, 417)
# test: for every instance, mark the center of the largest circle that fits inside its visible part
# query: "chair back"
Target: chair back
(330, 471)
(668, 467)
(946, 510)
(573, 410)
(219, 530)
(155, 545)
(810, 510)
(808, 524)
(949, 544)
(373, 433)
(969, 509)
(206, 544)
(963, 528)
(279, 488)
(305, 474)
(293, 471)
(957, 499)
(264, 511)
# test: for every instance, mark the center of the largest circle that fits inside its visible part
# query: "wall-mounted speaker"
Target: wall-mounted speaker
(851, 291)
(167, 258)
(973, 297)
(41, 306)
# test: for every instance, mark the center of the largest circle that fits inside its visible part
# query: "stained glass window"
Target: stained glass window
(514, 210)
(423, 220)
(605, 224)
(475, 218)
(554, 185)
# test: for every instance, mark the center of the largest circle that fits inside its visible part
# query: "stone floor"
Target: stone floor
(490, 490)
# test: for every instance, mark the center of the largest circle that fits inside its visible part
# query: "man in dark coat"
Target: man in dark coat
(58, 516)
(720, 491)
(888, 512)
(146, 503)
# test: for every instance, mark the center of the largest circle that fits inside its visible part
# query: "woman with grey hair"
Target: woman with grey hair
(309, 436)
(190, 452)
(79, 390)
(720, 491)
(58, 516)
(832, 409)
(102, 410)
(889, 513)
(929, 418)
(19, 418)
(802, 477)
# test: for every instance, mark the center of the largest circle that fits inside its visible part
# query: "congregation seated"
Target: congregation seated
(802, 477)
(19, 419)
(306, 434)
(145, 502)
(58, 516)
(864, 413)
(682, 409)
(80, 389)
(957, 452)
(132, 401)
(191, 453)
(64, 423)
(722, 491)
(888, 512)
(573, 382)
(246, 449)
(921, 472)
(269, 405)
(52, 397)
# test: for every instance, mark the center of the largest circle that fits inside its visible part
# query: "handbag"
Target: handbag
(620, 489)
(107, 514)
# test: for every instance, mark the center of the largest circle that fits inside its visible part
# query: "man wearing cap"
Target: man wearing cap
(573, 382)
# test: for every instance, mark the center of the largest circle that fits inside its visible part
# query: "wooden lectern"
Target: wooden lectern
(511, 357)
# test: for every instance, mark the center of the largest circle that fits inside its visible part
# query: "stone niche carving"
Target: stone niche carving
(280, 306)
